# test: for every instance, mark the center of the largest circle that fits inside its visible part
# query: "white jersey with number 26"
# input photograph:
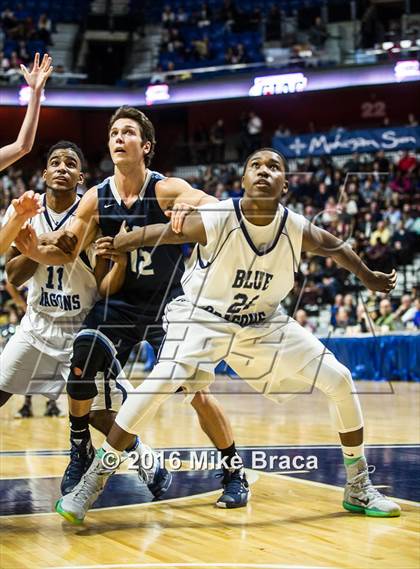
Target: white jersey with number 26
(244, 271)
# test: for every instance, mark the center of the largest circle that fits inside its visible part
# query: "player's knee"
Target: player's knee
(88, 359)
(340, 382)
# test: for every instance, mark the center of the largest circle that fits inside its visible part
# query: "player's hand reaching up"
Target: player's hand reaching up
(27, 241)
(381, 282)
(37, 77)
(28, 205)
(178, 214)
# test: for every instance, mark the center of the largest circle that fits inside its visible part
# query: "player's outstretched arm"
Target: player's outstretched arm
(321, 242)
(152, 235)
(175, 194)
(36, 80)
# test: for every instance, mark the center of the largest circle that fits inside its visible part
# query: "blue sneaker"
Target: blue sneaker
(82, 454)
(235, 489)
(156, 477)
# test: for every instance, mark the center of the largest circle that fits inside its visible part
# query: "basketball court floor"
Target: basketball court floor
(294, 518)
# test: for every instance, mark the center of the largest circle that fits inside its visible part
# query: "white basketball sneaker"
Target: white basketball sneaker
(360, 495)
(74, 505)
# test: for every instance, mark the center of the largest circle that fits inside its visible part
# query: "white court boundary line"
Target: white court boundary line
(336, 488)
(157, 565)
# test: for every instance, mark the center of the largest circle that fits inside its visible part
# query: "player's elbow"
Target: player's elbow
(23, 147)
(14, 277)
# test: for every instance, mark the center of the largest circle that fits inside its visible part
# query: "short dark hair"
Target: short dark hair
(267, 149)
(63, 144)
(147, 130)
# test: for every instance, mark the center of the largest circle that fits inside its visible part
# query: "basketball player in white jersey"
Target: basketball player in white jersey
(27, 205)
(37, 358)
(241, 268)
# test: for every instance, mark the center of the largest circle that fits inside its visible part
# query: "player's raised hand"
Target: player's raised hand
(27, 241)
(381, 282)
(37, 77)
(28, 205)
(178, 214)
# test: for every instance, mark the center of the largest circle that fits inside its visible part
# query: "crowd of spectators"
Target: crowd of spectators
(20, 38)
(203, 36)
(375, 211)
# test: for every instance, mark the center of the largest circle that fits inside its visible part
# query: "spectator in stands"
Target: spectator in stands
(168, 16)
(379, 257)
(330, 213)
(382, 234)
(375, 211)
(353, 164)
(342, 320)
(8, 21)
(22, 52)
(412, 121)
(44, 29)
(392, 215)
(416, 318)
(407, 163)
(255, 21)
(362, 319)
(13, 73)
(318, 34)
(405, 312)
(217, 141)
(349, 305)
(201, 48)
(239, 55)
(385, 321)
(302, 318)
(383, 162)
(254, 131)
(181, 17)
(203, 16)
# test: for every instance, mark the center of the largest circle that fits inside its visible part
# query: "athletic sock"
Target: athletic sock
(230, 458)
(79, 429)
(352, 455)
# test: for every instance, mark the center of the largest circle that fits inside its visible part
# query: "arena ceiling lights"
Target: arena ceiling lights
(234, 87)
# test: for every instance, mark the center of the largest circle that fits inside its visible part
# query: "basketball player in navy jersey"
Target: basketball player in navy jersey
(242, 267)
(137, 196)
